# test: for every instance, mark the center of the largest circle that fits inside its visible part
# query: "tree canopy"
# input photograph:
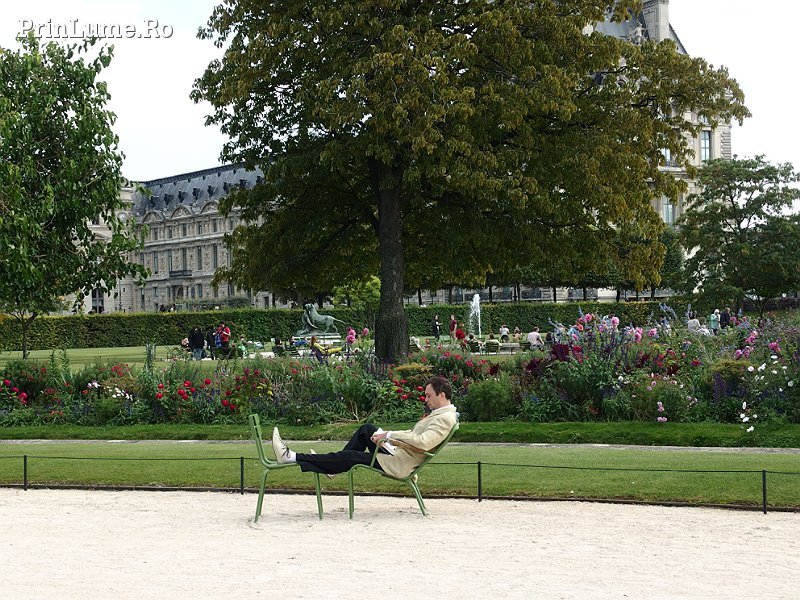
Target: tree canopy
(59, 172)
(743, 239)
(435, 142)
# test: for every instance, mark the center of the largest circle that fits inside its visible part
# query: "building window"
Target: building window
(155, 261)
(184, 230)
(230, 223)
(230, 290)
(141, 300)
(199, 261)
(184, 261)
(97, 301)
(214, 224)
(169, 260)
(216, 293)
(141, 258)
(667, 153)
(214, 256)
(667, 211)
(705, 145)
(154, 234)
(169, 232)
(192, 293)
(199, 290)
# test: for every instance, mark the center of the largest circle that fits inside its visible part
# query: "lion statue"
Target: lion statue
(313, 322)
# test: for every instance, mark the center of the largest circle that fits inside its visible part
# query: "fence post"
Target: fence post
(764, 490)
(25, 472)
(480, 481)
(241, 475)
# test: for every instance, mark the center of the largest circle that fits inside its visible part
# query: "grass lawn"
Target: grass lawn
(513, 470)
(81, 357)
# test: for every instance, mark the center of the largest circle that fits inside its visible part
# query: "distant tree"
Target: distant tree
(59, 172)
(444, 138)
(672, 267)
(741, 239)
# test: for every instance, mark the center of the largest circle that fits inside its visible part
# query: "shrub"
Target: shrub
(491, 399)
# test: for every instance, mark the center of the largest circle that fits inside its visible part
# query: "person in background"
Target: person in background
(725, 319)
(714, 321)
(453, 327)
(436, 328)
(224, 333)
(196, 343)
(535, 339)
(504, 333)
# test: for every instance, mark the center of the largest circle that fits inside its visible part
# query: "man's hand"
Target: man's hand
(378, 436)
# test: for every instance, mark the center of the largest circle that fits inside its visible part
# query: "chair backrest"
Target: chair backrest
(432, 453)
(255, 428)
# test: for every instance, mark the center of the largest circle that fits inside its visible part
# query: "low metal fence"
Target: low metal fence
(480, 466)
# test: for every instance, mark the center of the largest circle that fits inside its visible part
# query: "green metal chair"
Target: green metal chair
(410, 479)
(272, 465)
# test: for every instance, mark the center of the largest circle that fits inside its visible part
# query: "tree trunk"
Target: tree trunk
(391, 324)
(555, 298)
(26, 324)
(619, 294)
(585, 294)
(652, 292)
(450, 295)
(490, 294)
(419, 296)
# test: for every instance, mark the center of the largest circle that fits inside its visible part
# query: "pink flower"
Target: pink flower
(653, 333)
(614, 321)
(737, 355)
(661, 419)
(587, 318)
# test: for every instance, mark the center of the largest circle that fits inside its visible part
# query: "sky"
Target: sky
(163, 133)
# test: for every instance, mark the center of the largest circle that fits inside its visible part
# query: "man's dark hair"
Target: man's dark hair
(439, 385)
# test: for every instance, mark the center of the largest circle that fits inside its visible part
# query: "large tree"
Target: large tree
(743, 239)
(440, 141)
(59, 172)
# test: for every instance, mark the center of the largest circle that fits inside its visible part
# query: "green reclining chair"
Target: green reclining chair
(410, 479)
(270, 465)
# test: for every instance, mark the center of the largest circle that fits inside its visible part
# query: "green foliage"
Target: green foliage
(490, 400)
(59, 173)
(742, 242)
(167, 329)
(405, 121)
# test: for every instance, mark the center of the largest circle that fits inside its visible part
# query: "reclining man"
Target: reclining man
(429, 432)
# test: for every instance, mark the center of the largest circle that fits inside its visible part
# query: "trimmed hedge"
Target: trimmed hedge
(98, 331)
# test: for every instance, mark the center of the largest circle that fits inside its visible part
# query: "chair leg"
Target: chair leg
(261, 495)
(417, 493)
(319, 495)
(350, 490)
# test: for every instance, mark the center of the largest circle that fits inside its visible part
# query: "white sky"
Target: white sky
(162, 131)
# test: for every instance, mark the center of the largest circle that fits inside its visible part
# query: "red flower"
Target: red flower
(227, 392)
(14, 389)
(23, 397)
(233, 407)
(404, 396)
(159, 395)
(193, 390)
(207, 381)
(161, 386)
(6, 382)
(696, 363)
(422, 398)
(294, 371)
(402, 381)
(226, 402)
(84, 392)
(187, 384)
(420, 388)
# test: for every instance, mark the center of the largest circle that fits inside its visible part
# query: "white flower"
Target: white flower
(751, 368)
(762, 367)
(774, 372)
(774, 357)
(790, 384)
(755, 416)
(620, 378)
(780, 389)
(749, 429)
(741, 416)
(744, 405)
(745, 420)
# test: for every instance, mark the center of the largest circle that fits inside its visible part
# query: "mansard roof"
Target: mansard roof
(189, 193)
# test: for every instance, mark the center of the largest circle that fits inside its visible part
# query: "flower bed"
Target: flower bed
(597, 369)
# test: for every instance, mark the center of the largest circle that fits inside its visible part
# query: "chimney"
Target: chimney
(656, 18)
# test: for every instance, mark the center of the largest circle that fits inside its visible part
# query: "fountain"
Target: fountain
(475, 315)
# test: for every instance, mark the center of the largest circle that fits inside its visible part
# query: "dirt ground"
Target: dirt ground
(68, 544)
